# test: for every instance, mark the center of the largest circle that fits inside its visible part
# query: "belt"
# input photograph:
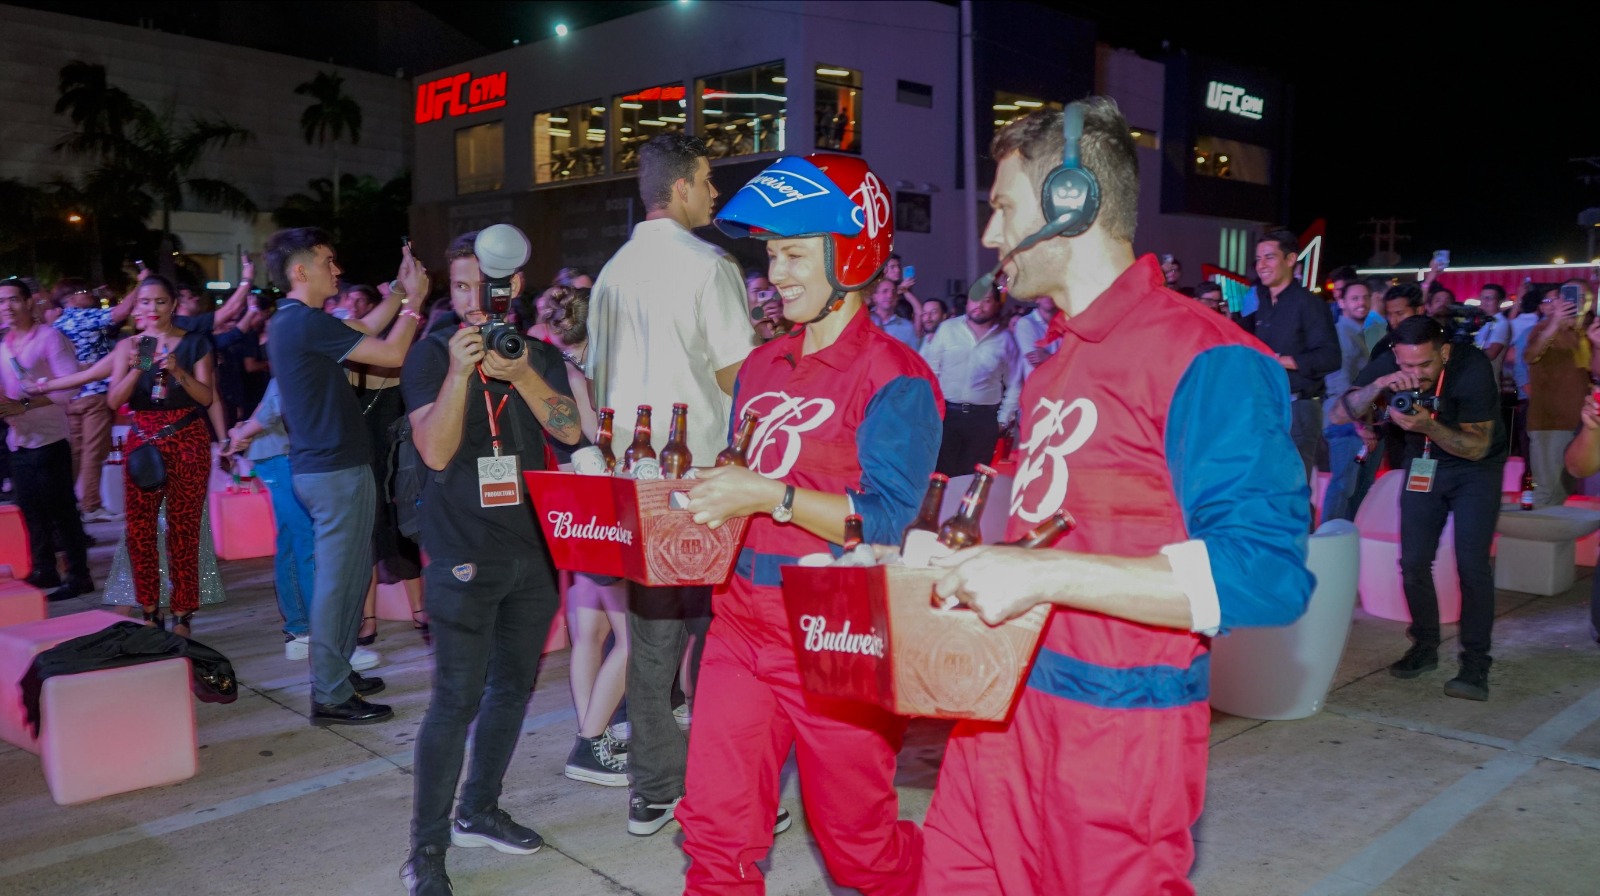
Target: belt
(967, 407)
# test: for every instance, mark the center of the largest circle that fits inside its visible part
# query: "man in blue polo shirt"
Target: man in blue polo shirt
(330, 459)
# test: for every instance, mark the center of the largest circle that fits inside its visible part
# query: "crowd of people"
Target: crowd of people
(327, 389)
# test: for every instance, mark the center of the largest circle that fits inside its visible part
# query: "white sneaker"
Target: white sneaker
(297, 648)
(364, 659)
(100, 515)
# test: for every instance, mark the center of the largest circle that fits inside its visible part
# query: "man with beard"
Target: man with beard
(980, 372)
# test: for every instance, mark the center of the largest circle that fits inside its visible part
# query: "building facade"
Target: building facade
(544, 135)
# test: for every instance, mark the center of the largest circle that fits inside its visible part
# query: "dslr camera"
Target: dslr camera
(1407, 401)
(1464, 322)
(502, 250)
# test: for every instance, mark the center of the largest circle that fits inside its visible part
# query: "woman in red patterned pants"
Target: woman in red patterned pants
(165, 376)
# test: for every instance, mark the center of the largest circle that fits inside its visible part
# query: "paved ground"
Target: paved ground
(1392, 789)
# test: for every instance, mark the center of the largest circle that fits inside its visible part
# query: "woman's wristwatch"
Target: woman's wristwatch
(784, 512)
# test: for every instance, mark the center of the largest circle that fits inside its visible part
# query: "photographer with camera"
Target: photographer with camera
(1559, 359)
(1443, 396)
(482, 400)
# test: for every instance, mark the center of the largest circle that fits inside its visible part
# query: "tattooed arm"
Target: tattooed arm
(557, 413)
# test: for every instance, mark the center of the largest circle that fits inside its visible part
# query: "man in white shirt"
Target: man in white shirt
(667, 323)
(1030, 329)
(1494, 337)
(980, 373)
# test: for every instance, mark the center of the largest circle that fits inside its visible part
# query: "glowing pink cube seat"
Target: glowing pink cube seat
(20, 602)
(14, 545)
(145, 710)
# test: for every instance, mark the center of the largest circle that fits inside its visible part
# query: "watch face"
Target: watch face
(782, 514)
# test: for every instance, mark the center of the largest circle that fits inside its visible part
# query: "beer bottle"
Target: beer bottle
(736, 454)
(852, 532)
(928, 517)
(603, 439)
(1527, 489)
(640, 449)
(1048, 532)
(675, 456)
(961, 529)
(158, 391)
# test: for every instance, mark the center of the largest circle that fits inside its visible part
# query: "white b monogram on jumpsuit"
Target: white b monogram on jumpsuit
(872, 205)
(776, 444)
(1045, 451)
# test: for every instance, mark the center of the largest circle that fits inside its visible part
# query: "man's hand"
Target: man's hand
(1288, 363)
(413, 276)
(728, 492)
(1036, 356)
(498, 367)
(1000, 583)
(9, 408)
(906, 284)
(1419, 422)
(1594, 333)
(1591, 414)
(1399, 381)
(466, 351)
(247, 268)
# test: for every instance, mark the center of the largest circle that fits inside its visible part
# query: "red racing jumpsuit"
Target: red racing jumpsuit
(860, 417)
(1158, 423)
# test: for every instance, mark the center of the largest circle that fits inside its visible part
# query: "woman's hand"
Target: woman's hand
(728, 492)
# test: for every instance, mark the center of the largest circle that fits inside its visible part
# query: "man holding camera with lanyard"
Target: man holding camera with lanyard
(1444, 397)
(479, 396)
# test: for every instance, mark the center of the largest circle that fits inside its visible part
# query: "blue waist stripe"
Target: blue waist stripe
(762, 569)
(1138, 687)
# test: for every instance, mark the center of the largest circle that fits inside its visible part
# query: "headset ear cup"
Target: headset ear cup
(1071, 198)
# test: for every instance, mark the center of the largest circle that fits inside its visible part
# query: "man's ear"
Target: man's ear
(680, 188)
(516, 284)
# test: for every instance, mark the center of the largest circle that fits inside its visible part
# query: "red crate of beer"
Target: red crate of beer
(873, 634)
(633, 528)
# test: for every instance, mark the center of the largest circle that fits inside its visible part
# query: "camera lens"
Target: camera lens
(509, 345)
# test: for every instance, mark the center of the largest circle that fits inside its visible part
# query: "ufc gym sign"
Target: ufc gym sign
(459, 95)
(1234, 100)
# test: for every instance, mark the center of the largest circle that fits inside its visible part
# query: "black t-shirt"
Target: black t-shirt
(190, 350)
(1470, 395)
(455, 525)
(196, 323)
(320, 411)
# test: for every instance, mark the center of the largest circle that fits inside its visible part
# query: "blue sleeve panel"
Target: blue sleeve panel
(897, 444)
(1241, 485)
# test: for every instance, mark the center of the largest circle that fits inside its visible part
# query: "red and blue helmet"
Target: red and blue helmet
(823, 194)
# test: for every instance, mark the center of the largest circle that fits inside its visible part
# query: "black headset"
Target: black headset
(1071, 195)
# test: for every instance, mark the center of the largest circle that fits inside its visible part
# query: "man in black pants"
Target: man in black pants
(478, 419)
(1454, 456)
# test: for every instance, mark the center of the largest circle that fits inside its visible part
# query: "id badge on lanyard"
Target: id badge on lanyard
(1420, 477)
(499, 476)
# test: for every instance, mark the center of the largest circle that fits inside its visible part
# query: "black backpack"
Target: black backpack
(406, 477)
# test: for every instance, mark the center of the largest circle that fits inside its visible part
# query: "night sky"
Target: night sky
(1461, 119)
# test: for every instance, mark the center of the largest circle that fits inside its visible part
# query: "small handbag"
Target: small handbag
(145, 466)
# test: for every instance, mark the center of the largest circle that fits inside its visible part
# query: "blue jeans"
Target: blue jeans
(341, 505)
(294, 564)
(488, 634)
(1348, 481)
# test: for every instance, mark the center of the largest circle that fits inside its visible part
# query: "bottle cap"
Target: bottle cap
(607, 411)
(940, 477)
(644, 407)
(986, 470)
(678, 404)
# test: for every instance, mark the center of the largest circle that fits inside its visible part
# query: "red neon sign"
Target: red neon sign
(460, 95)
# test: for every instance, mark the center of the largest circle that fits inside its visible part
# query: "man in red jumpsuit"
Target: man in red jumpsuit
(849, 424)
(1164, 430)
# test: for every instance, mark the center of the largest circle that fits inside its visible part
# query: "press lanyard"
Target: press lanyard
(1438, 389)
(494, 413)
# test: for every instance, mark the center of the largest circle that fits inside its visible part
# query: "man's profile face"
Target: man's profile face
(1356, 301)
(320, 274)
(1397, 310)
(702, 194)
(1015, 215)
(1274, 266)
(1423, 361)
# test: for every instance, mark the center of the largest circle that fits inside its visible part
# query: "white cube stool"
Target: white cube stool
(1536, 549)
(111, 489)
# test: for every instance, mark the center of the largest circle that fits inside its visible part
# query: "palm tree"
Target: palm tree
(327, 120)
(94, 106)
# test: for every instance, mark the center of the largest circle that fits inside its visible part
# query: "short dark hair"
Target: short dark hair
(1288, 243)
(370, 292)
(1206, 287)
(1420, 330)
(1343, 273)
(158, 280)
(1408, 291)
(67, 286)
(1531, 298)
(1442, 289)
(663, 161)
(1363, 283)
(754, 274)
(943, 305)
(463, 246)
(1499, 291)
(1106, 148)
(285, 246)
(21, 285)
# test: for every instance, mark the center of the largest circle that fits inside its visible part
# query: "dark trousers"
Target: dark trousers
(488, 634)
(42, 480)
(970, 434)
(660, 621)
(1472, 492)
(1305, 430)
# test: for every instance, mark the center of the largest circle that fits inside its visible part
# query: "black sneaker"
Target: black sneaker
(1419, 659)
(423, 873)
(645, 817)
(616, 745)
(365, 685)
(495, 829)
(783, 821)
(44, 579)
(73, 587)
(591, 760)
(1472, 682)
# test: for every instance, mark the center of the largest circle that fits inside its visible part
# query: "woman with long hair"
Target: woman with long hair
(165, 374)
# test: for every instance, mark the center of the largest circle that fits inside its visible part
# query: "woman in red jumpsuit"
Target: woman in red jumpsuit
(849, 423)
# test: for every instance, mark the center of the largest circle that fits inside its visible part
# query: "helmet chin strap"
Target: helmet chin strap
(834, 303)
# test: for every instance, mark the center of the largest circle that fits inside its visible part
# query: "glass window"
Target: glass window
(1009, 107)
(1232, 160)
(481, 158)
(644, 114)
(838, 109)
(569, 142)
(743, 112)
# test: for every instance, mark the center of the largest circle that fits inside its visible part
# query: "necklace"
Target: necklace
(576, 360)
